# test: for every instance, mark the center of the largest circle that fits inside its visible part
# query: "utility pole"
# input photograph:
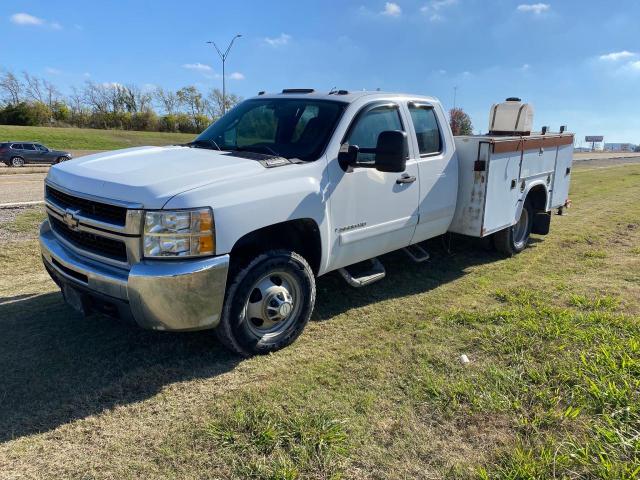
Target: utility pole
(455, 91)
(223, 57)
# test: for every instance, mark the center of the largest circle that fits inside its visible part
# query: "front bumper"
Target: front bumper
(158, 295)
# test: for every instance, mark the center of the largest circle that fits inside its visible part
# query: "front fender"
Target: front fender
(241, 208)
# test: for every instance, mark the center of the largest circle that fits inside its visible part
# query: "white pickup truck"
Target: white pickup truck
(230, 231)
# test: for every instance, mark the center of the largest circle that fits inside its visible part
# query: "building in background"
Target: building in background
(619, 147)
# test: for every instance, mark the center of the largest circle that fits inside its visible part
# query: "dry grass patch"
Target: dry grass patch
(374, 388)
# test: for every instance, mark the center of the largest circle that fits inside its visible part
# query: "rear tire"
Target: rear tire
(17, 162)
(515, 239)
(268, 304)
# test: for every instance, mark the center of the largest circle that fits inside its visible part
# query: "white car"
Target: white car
(230, 231)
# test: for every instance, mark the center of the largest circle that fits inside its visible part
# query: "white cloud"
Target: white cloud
(535, 8)
(200, 67)
(615, 56)
(236, 76)
(392, 9)
(26, 19)
(634, 65)
(435, 7)
(52, 71)
(525, 67)
(278, 41)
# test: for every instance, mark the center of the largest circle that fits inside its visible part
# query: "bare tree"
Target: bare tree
(193, 101)
(134, 99)
(34, 88)
(96, 97)
(11, 88)
(75, 100)
(167, 99)
(51, 92)
(216, 101)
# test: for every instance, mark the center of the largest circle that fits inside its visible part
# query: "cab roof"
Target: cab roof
(338, 95)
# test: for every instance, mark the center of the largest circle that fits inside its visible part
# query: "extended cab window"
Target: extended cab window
(369, 125)
(426, 126)
(288, 127)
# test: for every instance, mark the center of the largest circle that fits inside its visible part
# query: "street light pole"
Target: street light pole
(223, 57)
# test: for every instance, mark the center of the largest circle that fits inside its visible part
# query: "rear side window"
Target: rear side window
(16, 146)
(369, 125)
(427, 130)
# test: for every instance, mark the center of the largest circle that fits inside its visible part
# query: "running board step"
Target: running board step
(362, 274)
(417, 253)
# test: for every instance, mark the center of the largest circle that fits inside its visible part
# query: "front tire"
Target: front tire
(268, 304)
(17, 162)
(515, 239)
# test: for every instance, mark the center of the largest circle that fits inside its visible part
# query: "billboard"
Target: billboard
(594, 138)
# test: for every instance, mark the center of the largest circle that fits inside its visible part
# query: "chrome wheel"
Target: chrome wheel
(521, 230)
(17, 162)
(273, 304)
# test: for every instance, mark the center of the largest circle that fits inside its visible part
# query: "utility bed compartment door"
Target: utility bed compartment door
(562, 176)
(503, 191)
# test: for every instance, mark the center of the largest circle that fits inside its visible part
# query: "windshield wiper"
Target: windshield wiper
(258, 149)
(198, 143)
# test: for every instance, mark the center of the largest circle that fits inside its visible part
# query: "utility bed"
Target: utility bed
(497, 172)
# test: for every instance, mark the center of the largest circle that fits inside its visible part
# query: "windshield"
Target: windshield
(290, 128)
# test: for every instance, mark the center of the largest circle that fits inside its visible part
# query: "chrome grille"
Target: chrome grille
(104, 230)
(107, 247)
(88, 208)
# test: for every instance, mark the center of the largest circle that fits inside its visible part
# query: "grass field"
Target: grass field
(90, 139)
(373, 388)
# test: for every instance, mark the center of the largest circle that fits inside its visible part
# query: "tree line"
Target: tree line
(29, 100)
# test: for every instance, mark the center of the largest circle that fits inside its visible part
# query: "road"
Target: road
(28, 187)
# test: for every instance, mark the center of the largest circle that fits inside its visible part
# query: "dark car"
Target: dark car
(17, 154)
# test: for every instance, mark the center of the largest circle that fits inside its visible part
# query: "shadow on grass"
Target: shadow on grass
(56, 367)
(451, 256)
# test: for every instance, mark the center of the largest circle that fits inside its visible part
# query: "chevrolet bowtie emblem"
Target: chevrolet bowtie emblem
(70, 219)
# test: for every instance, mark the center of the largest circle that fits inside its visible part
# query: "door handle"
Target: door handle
(405, 178)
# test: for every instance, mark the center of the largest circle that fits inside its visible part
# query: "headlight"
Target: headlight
(180, 233)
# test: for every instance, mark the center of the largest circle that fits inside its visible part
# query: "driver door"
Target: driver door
(371, 212)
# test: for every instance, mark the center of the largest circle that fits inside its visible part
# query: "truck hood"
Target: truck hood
(150, 176)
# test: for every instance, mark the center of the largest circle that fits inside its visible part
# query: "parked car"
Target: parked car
(18, 154)
(231, 230)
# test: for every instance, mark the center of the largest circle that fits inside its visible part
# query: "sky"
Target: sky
(576, 61)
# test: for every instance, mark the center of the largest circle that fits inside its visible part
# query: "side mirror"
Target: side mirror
(391, 151)
(348, 155)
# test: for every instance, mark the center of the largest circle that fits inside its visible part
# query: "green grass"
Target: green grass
(373, 389)
(90, 139)
(26, 222)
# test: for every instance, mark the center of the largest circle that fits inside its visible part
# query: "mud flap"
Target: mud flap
(541, 223)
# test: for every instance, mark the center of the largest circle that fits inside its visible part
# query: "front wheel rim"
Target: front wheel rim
(521, 229)
(273, 304)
